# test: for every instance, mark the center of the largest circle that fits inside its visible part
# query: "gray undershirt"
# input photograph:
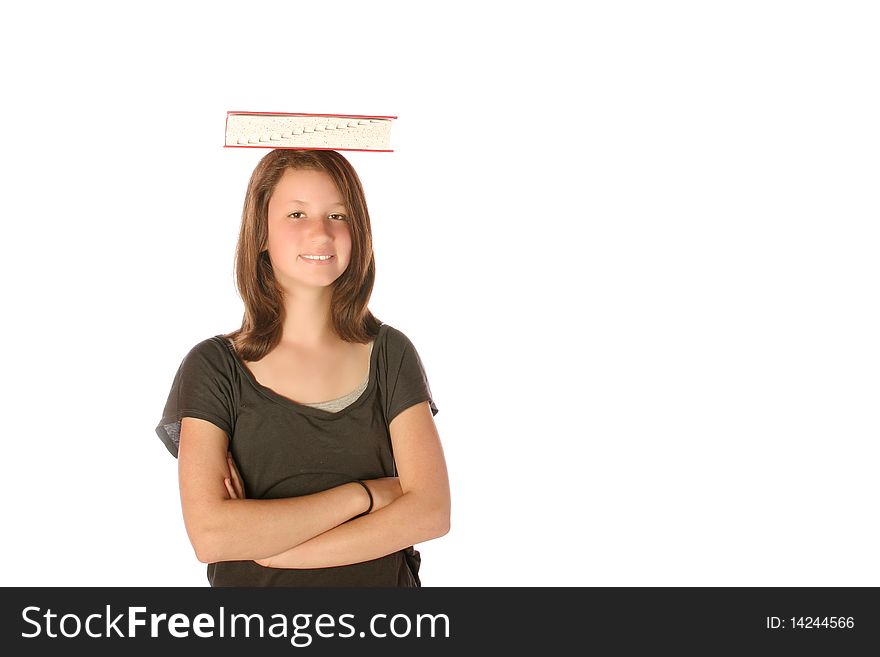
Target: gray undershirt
(335, 405)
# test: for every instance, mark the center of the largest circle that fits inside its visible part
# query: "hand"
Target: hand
(384, 490)
(234, 487)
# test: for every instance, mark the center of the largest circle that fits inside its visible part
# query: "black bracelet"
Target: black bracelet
(366, 488)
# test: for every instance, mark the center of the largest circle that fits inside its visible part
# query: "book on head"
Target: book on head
(343, 132)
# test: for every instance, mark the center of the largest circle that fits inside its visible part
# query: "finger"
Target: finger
(229, 489)
(236, 478)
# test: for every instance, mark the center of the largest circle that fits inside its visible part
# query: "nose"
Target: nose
(320, 228)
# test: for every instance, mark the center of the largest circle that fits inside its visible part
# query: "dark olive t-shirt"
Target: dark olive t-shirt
(285, 449)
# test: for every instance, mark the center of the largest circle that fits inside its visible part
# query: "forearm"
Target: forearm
(410, 519)
(245, 529)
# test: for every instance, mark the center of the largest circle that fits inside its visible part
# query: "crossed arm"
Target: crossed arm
(421, 513)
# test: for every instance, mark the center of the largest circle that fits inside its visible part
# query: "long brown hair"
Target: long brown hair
(261, 326)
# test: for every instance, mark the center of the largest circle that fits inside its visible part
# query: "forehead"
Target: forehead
(305, 184)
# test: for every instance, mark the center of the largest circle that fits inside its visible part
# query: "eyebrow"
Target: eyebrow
(296, 200)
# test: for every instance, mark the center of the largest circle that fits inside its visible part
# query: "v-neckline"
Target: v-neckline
(278, 398)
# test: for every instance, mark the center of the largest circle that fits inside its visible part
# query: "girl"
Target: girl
(306, 445)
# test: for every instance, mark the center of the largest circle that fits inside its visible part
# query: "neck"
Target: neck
(307, 321)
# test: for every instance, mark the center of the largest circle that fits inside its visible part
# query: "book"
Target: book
(342, 132)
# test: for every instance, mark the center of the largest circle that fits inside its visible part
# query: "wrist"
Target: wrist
(365, 492)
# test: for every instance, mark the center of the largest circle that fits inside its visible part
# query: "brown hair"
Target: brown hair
(261, 326)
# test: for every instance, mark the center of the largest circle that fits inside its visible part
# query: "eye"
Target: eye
(342, 217)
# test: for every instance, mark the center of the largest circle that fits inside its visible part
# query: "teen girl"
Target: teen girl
(306, 445)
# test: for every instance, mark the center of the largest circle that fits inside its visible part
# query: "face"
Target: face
(307, 218)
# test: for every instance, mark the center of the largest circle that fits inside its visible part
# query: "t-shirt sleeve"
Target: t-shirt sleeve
(203, 387)
(407, 381)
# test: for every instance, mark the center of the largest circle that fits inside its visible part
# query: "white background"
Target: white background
(635, 243)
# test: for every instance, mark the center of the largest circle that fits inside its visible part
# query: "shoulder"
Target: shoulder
(212, 348)
(396, 341)
(211, 353)
(399, 348)
(394, 335)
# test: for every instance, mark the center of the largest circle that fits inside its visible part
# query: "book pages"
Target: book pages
(297, 131)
